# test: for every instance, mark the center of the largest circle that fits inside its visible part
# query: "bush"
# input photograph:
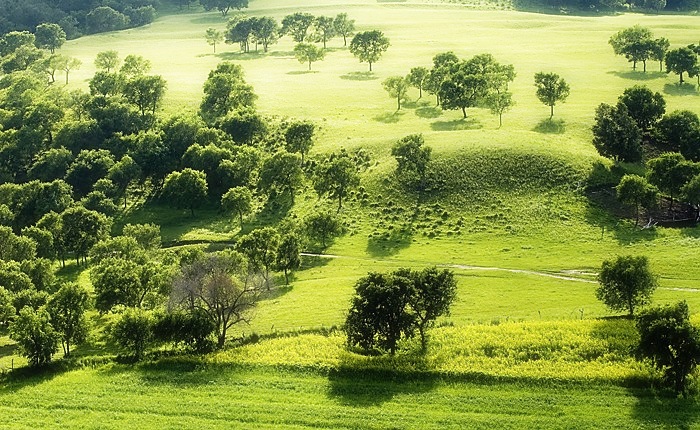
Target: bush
(133, 331)
(37, 339)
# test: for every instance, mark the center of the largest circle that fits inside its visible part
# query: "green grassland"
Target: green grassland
(523, 346)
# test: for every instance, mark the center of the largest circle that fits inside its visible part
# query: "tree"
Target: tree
(238, 200)
(344, 27)
(225, 90)
(670, 342)
(82, 229)
(335, 176)
(442, 65)
(417, 78)
(218, 284)
(616, 135)
(551, 89)
(645, 106)
(260, 248)
(297, 25)
(681, 60)
(240, 30)
(321, 226)
(691, 194)
(626, 283)
(634, 190)
(213, 36)
(186, 189)
(7, 311)
(123, 174)
(635, 43)
(670, 171)
(396, 86)
(146, 235)
(134, 66)
(133, 331)
(499, 103)
(324, 30)
(69, 64)
(369, 46)
(49, 36)
(288, 258)
(191, 328)
(265, 31)
(104, 18)
(412, 157)
(145, 92)
(298, 137)
(281, 173)
(678, 131)
(87, 168)
(433, 293)
(36, 338)
(107, 60)
(224, 6)
(67, 311)
(658, 51)
(308, 53)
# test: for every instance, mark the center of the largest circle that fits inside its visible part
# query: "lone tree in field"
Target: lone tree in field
(344, 27)
(551, 89)
(49, 36)
(417, 78)
(297, 26)
(299, 137)
(670, 342)
(396, 86)
(186, 189)
(321, 226)
(369, 46)
(412, 157)
(645, 106)
(616, 134)
(214, 36)
(387, 307)
(224, 6)
(625, 283)
(308, 53)
(682, 60)
(239, 201)
(635, 191)
(635, 43)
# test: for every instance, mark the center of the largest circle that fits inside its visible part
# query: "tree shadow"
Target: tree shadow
(457, 124)
(389, 117)
(637, 75)
(241, 56)
(209, 19)
(359, 76)
(678, 89)
(550, 126)
(429, 112)
(281, 54)
(302, 72)
(311, 261)
(389, 243)
(374, 383)
(654, 408)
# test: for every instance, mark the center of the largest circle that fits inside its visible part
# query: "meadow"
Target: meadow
(525, 345)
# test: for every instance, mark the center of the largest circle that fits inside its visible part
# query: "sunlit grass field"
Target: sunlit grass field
(523, 347)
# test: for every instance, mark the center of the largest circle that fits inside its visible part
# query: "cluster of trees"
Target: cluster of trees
(639, 119)
(616, 5)
(75, 18)
(637, 44)
(667, 338)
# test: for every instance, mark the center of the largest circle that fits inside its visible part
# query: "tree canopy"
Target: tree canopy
(368, 46)
(626, 283)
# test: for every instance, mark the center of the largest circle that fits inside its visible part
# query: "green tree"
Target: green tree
(433, 293)
(219, 285)
(297, 25)
(103, 18)
(225, 90)
(213, 36)
(670, 342)
(123, 174)
(186, 189)
(634, 43)
(678, 131)
(49, 36)
(681, 60)
(224, 6)
(691, 194)
(616, 134)
(67, 311)
(645, 106)
(417, 78)
(88, 167)
(397, 87)
(369, 46)
(260, 248)
(626, 283)
(134, 66)
(36, 338)
(298, 137)
(145, 92)
(70, 64)
(551, 89)
(634, 190)
(498, 103)
(281, 173)
(336, 176)
(240, 30)
(266, 31)
(107, 60)
(321, 226)
(82, 229)
(7, 311)
(670, 171)
(308, 53)
(146, 235)
(344, 26)
(412, 157)
(288, 257)
(442, 65)
(324, 30)
(133, 331)
(658, 51)
(239, 201)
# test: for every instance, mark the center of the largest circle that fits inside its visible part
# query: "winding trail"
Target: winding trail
(501, 269)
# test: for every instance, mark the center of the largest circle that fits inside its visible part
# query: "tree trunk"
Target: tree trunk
(681, 75)
(286, 276)
(309, 64)
(464, 112)
(370, 66)
(340, 202)
(398, 101)
(345, 40)
(645, 65)
(551, 112)
(420, 92)
(634, 65)
(500, 120)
